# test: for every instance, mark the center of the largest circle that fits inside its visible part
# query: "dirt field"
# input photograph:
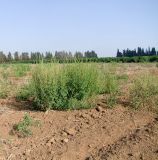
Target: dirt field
(94, 134)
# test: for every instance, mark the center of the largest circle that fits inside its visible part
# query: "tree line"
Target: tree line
(128, 56)
(139, 52)
(36, 56)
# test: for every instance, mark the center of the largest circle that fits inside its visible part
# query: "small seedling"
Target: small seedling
(22, 128)
(3, 95)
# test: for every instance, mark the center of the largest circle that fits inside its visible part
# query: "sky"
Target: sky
(78, 25)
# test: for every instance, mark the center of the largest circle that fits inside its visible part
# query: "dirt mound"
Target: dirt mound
(84, 134)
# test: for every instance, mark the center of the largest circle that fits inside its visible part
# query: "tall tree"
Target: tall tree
(119, 54)
(139, 51)
(78, 55)
(25, 56)
(62, 55)
(153, 51)
(90, 54)
(16, 56)
(9, 57)
(48, 55)
(3, 57)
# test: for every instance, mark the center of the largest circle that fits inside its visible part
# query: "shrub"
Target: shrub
(58, 86)
(109, 86)
(68, 86)
(108, 79)
(24, 92)
(144, 91)
(4, 88)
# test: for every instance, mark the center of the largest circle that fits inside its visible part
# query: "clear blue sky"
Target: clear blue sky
(78, 25)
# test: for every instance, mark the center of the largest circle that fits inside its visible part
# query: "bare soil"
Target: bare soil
(94, 134)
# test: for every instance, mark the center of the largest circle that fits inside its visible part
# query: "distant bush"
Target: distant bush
(20, 70)
(153, 58)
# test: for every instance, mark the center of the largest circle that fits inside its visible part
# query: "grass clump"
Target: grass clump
(3, 94)
(20, 70)
(111, 99)
(109, 86)
(144, 91)
(68, 86)
(4, 81)
(122, 77)
(22, 128)
(5, 75)
(4, 88)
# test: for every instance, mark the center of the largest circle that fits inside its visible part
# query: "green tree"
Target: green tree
(16, 56)
(90, 54)
(48, 56)
(9, 57)
(3, 57)
(25, 56)
(78, 55)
